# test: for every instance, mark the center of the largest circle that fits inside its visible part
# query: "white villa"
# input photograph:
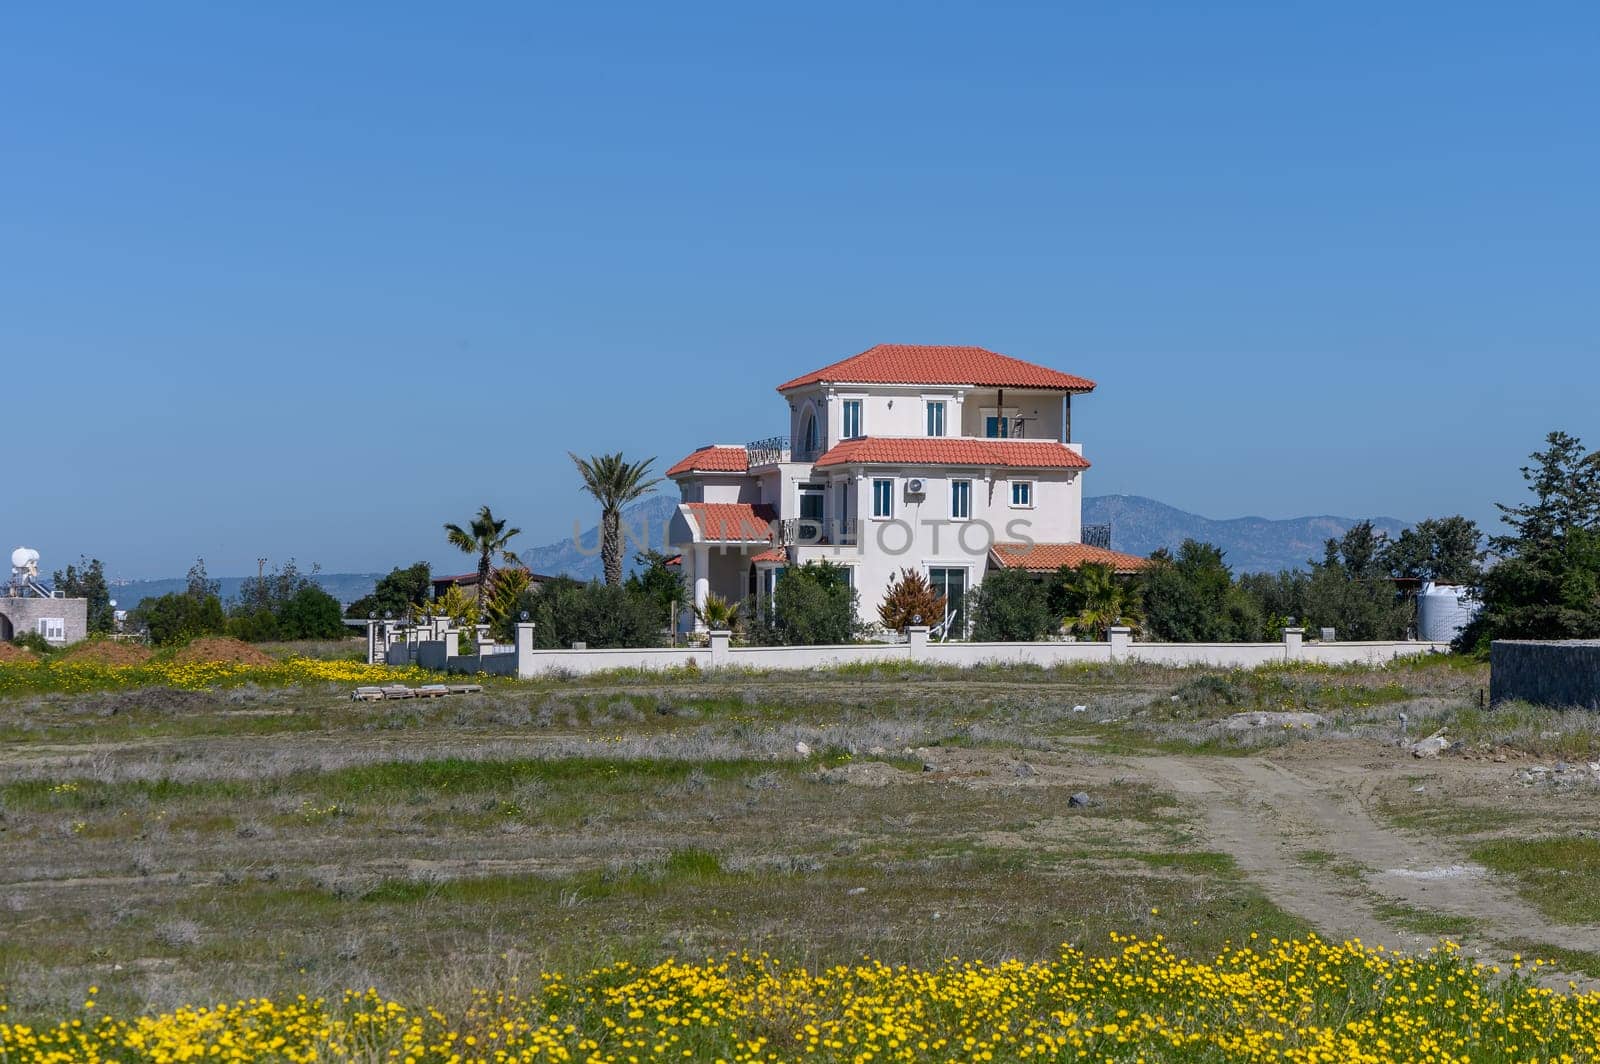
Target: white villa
(951, 460)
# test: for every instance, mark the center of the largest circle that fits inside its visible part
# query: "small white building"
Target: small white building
(951, 460)
(27, 605)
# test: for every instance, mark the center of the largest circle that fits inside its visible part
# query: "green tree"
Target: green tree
(502, 609)
(1010, 605)
(88, 581)
(1351, 590)
(488, 538)
(199, 585)
(310, 613)
(1565, 482)
(659, 584)
(395, 594)
(1547, 582)
(1190, 597)
(812, 605)
(1095, 600)
(614, 483)
(180, 617)
(1446, 549)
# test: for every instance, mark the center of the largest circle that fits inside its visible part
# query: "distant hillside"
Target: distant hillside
(581, 559)
(1252, 544)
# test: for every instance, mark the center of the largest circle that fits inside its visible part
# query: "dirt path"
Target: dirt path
(1267, 815)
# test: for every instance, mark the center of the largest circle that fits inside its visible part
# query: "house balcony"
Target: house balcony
(811, 532)
(770, 451)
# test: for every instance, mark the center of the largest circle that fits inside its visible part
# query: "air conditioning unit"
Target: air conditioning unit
(916, 486)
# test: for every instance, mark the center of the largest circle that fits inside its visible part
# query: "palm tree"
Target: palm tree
(1099, 601)
(486, 537)
(614, 484)
(718, 614)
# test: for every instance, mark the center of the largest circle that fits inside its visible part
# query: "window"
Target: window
(809, 527)
(999, 424)
(54, 629)
(952, 584)
(1022, 493)
(883, 498)
(961, 499)
(935, 417)
(809, 434)
(852, 418)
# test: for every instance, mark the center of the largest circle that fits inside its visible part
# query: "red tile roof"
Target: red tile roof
(941, 364)
(1048, 557)
(713, 459)
(741, 522)
(776, 554)
(954, 450)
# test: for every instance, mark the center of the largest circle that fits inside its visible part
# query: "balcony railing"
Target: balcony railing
(770, 451)
(1097, 536)
(809, 531)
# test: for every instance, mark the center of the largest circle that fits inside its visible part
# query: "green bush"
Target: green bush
(32, 641)
(599, 615)
(812, 605)
(180, 617)
(1010, 606)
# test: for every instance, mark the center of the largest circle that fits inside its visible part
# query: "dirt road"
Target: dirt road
(1269, 815)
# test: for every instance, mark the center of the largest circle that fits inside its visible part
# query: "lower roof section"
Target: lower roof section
(731, 522)
(953, 450)
(1049, 557)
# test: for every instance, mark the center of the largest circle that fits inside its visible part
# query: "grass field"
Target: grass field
(174, 846)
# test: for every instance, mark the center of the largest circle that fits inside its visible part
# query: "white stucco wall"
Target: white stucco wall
(1046, 655)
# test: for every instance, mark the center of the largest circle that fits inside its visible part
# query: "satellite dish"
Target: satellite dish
(24, 558)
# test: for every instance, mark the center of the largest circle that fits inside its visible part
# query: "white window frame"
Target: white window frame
(888, 499)
(1033, 494)
(860, 419)
(941, 408)
(52, 629)
(955, 493)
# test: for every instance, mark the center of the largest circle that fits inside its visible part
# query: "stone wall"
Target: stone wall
(1556, 673)
(19, 615)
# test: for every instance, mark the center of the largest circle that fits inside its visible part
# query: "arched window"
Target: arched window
(808, 435)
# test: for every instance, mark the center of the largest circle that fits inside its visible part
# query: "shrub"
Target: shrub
(911, 597)
(813, 605)
(600, 615)
(1010, 606)
(180, 617)
(310, 613)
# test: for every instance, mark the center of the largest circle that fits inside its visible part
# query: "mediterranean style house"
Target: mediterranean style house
(950, 460)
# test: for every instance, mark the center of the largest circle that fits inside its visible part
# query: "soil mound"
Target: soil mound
(10, 652)
(221, 648)
(106, 652)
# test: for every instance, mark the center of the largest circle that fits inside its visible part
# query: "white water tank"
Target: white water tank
(1443, 610)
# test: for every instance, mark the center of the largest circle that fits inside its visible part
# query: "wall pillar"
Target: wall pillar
(372, 643)
(452, 643)
(1121, 642)
(524, 640)
(719, 646)
(702, 581)
(917, 634)
(1294, 643)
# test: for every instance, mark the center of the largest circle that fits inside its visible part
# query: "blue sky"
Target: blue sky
(308, 279)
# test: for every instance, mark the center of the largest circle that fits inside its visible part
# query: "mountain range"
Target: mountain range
(1138, 526)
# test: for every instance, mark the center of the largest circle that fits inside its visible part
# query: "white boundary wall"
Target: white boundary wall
(532, 663)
